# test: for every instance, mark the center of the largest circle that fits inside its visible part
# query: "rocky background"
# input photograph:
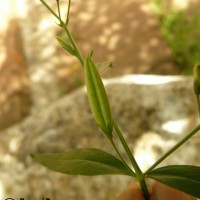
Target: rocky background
(41, 109)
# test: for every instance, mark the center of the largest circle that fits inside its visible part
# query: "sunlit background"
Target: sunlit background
(150, 43)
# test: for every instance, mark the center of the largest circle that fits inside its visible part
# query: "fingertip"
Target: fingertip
(163, 192)
(132, 192)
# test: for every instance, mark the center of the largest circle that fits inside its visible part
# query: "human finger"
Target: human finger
(132, 192)
(163, 192)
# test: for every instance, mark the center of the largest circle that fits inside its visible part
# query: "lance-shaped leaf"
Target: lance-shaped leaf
(86, 161)
(182, 177)
(98, 98)
(103, 65)
(66, 46)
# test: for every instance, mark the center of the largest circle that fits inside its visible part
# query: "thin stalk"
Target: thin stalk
(186, 138)
(139, 173)
(144, 189)
(68, 9)
(64, 26)
(49, 8)
(73, 43)
(118, 153)
(127, 149)
(58, 6)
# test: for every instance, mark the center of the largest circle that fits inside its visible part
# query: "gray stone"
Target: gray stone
(154, 112)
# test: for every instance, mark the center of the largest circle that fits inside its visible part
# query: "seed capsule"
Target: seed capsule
(98, 98)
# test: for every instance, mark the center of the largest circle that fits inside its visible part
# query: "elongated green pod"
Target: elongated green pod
(98, 98)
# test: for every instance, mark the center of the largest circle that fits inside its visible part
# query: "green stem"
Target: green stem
(187, 137)
(118, 153)
(47, 6)
(127, 149)
(68, 9)
(139, 173)
(58, 5)
(144, 189)
(72, 41)
(64, 26)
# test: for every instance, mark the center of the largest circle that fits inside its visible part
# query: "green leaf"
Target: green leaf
(91, 53)
(86, 161)
(66, 46)
(103, 65)
(196, 74)
(196, 83)
(98, 98)
(182, 177)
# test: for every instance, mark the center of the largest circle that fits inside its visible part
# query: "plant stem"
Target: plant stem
(127, 149)
(118, 153)
(144, 189)
(51, 11)
(68, 9)
(72, 41)
(139, 173)
(64, 26)
(58, 5)
(187, 137)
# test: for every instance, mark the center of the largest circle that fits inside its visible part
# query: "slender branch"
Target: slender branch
(127, 149)
(186, 138)
(68, 10)
(80, 57)
(139, 173)
(47, 6)
(118, 153)
(64, 26)
(58, 6)
(144, 189)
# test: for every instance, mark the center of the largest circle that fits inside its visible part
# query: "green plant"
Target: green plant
(91, 161)
(182, 33)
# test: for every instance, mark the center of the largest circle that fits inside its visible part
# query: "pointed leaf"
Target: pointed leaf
(66, 46)
(98, 98)
(103, 65)
(182, 177)
(91, 53)
(86, 161)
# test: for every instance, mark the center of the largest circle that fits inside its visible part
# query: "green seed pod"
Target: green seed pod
(196, 73)
(98, 98)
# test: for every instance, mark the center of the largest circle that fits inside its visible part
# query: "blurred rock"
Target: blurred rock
(14, 90)
(154, 112)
